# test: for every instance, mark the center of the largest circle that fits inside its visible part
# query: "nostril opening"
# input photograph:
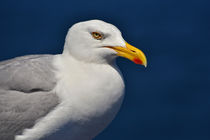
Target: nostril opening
(133, 51)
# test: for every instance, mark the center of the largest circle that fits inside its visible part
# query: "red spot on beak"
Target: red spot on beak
(137, 61)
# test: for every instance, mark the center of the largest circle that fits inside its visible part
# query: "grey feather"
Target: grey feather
(28, 73)
(26, 93)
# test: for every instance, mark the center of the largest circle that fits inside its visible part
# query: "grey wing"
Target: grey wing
(26, 93)
(28, 73)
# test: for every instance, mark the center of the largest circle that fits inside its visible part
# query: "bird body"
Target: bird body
(75, 94)
(94, 105)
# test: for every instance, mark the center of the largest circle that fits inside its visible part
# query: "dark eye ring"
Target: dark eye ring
(97, 35)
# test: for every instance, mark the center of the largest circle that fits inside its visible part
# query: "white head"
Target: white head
(95, 41)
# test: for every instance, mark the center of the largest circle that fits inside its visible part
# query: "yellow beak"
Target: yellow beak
(131, 53)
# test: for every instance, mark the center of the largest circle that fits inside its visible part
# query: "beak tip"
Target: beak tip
(145, 64)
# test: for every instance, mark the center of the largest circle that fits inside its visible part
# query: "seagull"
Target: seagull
(75, 94)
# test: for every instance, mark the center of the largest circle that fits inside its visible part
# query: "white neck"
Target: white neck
(86, 79)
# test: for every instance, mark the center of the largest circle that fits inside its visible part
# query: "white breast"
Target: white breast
(92, 94)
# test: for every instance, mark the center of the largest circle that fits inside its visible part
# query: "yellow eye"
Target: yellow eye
(97, 35)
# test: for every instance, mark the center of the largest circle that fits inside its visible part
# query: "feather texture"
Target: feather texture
(23, 99)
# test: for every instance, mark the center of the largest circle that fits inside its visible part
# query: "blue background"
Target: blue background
(170, 99)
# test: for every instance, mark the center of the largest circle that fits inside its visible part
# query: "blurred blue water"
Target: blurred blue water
(170, 99)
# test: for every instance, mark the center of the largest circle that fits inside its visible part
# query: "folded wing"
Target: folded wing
(26, 93)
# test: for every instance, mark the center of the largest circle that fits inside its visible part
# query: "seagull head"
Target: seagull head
(96, 41)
